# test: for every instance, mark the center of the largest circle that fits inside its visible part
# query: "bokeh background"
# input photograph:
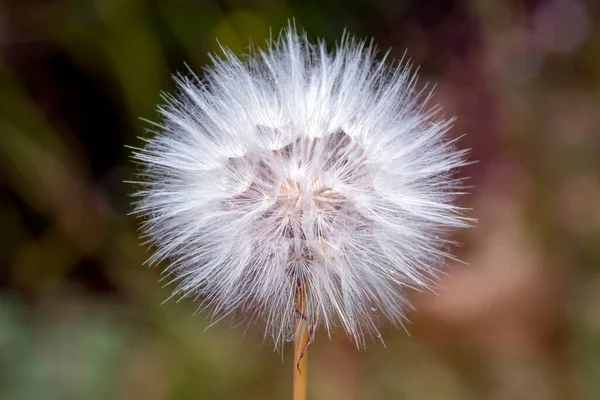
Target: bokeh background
(81, 316)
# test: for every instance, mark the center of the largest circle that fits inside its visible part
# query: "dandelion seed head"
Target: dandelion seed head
(300, 171)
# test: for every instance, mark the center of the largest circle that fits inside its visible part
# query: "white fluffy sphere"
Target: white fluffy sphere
(301, 172)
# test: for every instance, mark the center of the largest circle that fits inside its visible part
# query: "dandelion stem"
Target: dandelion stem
(301, 342)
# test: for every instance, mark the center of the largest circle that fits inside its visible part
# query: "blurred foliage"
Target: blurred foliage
(81, 316)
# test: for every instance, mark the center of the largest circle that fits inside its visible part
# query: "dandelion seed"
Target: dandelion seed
(295, 173)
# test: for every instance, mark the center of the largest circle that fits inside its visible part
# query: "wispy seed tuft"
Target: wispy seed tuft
(296, 171)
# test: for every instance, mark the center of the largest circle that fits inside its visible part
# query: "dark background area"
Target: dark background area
(81, 316)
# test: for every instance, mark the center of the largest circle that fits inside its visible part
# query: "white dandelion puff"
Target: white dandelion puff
(299, 170)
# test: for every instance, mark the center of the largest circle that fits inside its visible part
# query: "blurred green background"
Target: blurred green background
(81, 317)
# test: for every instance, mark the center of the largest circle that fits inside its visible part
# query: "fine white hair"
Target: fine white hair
(299, 172)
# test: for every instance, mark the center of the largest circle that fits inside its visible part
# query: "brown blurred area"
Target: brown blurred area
(81, 316)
